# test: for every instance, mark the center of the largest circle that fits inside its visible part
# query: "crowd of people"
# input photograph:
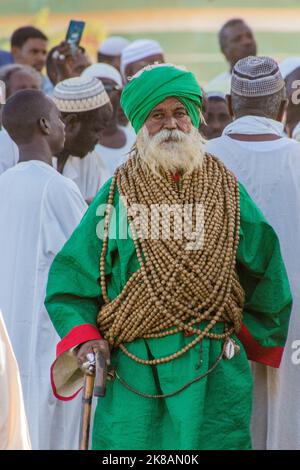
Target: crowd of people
(201, 340)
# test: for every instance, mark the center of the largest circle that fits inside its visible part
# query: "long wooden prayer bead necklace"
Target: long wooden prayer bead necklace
(175, 288)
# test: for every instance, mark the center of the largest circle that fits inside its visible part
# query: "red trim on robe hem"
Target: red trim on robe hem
(77, 335)
(270, 356)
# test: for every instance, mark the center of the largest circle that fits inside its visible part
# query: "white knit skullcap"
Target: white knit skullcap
(137, 50)
(288, 65)
(256, 76)
(113, 46)
(80, 94)
(103, 70)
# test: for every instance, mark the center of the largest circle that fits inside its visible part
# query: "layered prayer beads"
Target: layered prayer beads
(175, 288)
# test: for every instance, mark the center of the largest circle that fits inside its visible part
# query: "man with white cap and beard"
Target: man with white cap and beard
(256, 149)
(116, 141)
(178, 309)
(86, 110)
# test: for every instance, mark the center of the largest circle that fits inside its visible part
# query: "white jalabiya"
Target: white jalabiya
(270, 171)
(39, 210)
(88, 173)
(9, 153)
(111, 157)
(220, 83)
(14, 433)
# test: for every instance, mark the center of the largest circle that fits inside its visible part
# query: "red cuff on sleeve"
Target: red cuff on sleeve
(269, 356)
(78, 334)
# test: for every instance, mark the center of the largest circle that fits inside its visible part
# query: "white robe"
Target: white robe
(14, 434)
(112, 157)
(270, 172)
(220, 83)
(88, 173)
(9, 153)
(39, 210)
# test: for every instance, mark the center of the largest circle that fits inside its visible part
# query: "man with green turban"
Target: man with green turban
(175, 276)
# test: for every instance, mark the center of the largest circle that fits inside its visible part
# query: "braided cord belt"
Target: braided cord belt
(172, 394)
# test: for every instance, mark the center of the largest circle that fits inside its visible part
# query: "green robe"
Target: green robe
(213, 413)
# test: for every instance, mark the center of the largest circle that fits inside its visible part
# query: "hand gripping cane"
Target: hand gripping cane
(94, 383)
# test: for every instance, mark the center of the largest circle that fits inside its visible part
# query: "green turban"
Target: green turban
(153, 86)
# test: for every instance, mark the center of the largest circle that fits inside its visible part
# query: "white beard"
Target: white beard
(185, 152)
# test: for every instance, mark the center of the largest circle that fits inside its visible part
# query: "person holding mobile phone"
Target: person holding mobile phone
(63, 62)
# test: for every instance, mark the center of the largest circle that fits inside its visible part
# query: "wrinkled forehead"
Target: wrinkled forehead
(170, 103)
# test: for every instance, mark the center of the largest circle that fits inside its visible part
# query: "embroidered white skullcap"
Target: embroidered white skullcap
(80, 94)
(288, 65)
(113, 46)
(256, 76)
(137, 50)
(102, 70)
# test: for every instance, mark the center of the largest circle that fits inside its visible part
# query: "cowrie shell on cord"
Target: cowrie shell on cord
(229, 349)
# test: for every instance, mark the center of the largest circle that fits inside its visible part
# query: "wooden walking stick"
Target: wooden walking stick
(94, 384)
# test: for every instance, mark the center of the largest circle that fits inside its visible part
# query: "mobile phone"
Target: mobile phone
(74, 32)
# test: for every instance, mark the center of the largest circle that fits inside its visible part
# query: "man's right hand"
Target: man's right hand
(90, 347)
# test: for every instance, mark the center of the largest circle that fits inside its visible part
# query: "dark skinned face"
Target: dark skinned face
(217, 117)
(84, 132)
(114, 95)
(111, 60)
(240, 43)
(57, 130)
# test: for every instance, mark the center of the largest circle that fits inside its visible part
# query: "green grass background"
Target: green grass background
(193, 49)
(199, 51)
(31, 6)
